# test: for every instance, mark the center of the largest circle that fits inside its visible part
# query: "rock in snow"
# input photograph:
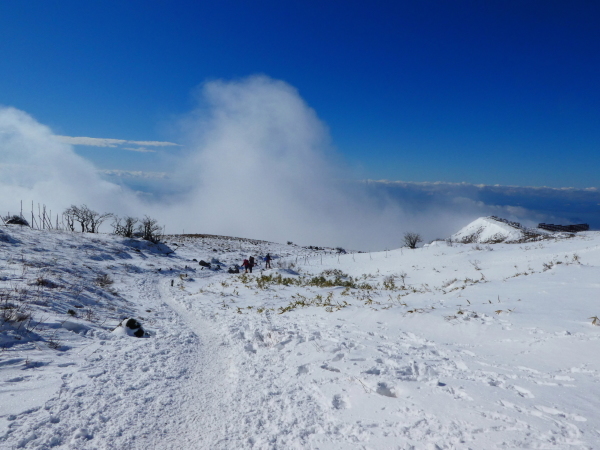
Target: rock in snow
(131, 327)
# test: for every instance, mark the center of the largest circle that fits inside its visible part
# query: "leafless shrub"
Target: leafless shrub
(334, 273)
(150, 230)
(88, 219)
(13, 309)
(44, 282)
(15, 220)
(402, 276)
(495, 239)
(124, 227)
(475, 263)
(103, 280)
(89, 315)
(412, 239)
(448, 283)
(473, 237)
(389, 283)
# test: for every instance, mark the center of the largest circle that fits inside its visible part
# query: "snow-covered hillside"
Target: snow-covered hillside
(448, 346)
(493, 230)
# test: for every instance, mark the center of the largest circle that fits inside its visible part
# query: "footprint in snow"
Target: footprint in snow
(556, 412)
(386, 390)
(340, 402)
(331, 369)
(523, 392)
(302, 370)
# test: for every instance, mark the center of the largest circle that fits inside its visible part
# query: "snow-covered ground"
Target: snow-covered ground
(447, 346)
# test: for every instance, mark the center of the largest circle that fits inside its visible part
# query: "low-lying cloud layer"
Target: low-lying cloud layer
(257, 162)
(527, 204)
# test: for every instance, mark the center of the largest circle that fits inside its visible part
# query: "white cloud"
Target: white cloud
(36, 167)
(258, 163)
(447, 185)
(154, 143)
(133, 174)
(139, 149)
(104, 142)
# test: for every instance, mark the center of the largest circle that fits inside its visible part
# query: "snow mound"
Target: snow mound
(493, 230)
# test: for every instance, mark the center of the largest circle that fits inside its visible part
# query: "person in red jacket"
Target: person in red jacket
(246, 265)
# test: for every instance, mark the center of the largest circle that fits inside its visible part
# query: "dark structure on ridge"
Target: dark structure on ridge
(567, 228)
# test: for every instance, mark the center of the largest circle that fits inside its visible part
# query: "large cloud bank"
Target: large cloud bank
(36, 167)
(260, 164)
(257, 163)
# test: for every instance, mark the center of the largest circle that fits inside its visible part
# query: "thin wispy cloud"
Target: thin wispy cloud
(139, 149)
(133, 174)
(113, 143)
(449, 185)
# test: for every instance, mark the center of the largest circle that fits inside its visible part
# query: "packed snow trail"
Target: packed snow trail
(205, 409)
(127, 393)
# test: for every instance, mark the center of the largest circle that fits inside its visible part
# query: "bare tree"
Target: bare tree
(69, 218)
(124, 227)
(412, 239)
(150, 230)
(95, 220)
(88, 219)
(129, 226)
(76, 214)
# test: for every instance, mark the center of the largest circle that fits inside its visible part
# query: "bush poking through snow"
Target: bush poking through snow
(13, 312)
(15, 220)
(103, 280)
(88, 219)
(150, 230)
(124, 227)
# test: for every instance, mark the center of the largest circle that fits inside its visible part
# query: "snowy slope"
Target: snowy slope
(440, 347)
(490, 230)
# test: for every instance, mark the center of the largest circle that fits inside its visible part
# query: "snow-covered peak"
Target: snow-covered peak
(492, 230)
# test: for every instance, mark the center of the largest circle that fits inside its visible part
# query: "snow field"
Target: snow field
(462, 346)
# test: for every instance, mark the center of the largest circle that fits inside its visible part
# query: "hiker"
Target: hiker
(251, 263)
(268, 261)
(246, 264)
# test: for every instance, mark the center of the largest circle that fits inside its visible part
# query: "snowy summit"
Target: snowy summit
(494, 230)
(114, 343)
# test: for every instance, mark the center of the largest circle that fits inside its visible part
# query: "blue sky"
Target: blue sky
(492, 92)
